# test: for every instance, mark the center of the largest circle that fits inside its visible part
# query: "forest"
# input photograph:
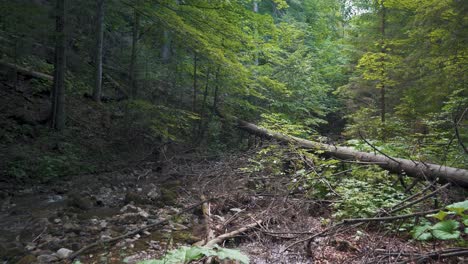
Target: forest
(233, 131)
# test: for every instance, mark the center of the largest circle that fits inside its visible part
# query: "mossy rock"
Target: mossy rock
(78, 201)
(28, 259)
(185, 237)
(169, 193)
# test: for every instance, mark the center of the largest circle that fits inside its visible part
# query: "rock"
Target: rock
(64, 253)
(30, 246)
(136, 198)
(78, 201)
(154, 193)
(28, 259)
(71, 228)
(47, 258)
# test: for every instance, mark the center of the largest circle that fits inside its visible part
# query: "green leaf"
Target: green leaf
(459, 207)
(446, 230)
(440, 215)
(465, 221)
(195, 253)
(233, 254)
(421, 232)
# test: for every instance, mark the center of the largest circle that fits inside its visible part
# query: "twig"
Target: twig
(388, 218)
(420, 199)
(376, 149)
(234, 233)
(131, 233)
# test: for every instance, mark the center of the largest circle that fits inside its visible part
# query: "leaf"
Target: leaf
(459, 207)
(440, 215)
(446, 230)
(465, 222)
(195, 253)
(420, 232)
(233, 254)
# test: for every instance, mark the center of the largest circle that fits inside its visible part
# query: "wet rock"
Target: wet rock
(78, 201)
(64, 253)
(28, 259)
(47, 258)
(137, 198)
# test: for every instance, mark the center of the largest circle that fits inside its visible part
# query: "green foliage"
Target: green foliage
(158, 120)
(187, 254)
(445, 229)
(361, 198)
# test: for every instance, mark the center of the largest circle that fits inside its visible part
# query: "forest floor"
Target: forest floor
(36, 222)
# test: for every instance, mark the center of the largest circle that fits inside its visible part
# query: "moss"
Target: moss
(27, 259)
(169, 193)
(185, 236)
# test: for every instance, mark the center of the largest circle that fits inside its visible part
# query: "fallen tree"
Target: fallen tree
(411, 168)
(27, 72)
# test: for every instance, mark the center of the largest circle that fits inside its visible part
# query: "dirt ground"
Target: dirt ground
(38, 221)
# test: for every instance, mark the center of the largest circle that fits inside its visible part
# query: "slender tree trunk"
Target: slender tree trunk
(383, 50)
(201, 125)
(194, 98)
(215, 95)
(99, 43)
(133, 61)
(166, 48)
(58, 92)
(255, 9)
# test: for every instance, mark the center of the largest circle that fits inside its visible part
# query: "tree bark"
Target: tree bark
(98, 57)
(397, 165)
(58, 92)
(133, 60)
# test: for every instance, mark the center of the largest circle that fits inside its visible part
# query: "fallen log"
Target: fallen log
(411, 168)
(27, 72)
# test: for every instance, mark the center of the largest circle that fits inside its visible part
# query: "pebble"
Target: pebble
(64, 253)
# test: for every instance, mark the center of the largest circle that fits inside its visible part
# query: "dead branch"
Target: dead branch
(221, 238)
(388, 218)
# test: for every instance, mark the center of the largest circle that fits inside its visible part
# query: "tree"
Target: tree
(98, 57)
(134, 55)
(58, 95)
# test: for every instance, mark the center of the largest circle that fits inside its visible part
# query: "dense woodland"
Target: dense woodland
(260, 131)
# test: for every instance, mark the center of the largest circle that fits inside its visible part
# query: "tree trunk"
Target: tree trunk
(397, 165)
(133, 61)
(99, 43)
(383, 50)
(58, 92)
(166, 48)
(215, 95)
(194, 98)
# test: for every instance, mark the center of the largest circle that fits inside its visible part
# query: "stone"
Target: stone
(71, 228)
(47, 258)
(154, 193)
(64, 253)
(78, 201)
